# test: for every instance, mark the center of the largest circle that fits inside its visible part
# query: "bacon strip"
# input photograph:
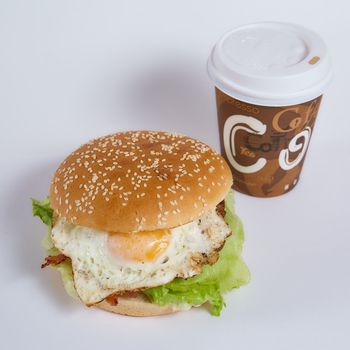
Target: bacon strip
(129, 293)
(220, 209)
(113, 298)
(54, 260)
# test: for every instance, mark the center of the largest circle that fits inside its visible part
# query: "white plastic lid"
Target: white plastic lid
(271, 64)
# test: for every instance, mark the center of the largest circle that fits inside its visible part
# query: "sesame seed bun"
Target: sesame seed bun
(139, 181)
(136, 306)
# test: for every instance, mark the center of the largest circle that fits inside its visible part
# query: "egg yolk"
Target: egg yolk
(140, 246)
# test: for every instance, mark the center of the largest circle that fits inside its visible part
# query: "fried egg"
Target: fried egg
(105, 263)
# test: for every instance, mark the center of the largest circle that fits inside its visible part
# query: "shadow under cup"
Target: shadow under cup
(265, 146)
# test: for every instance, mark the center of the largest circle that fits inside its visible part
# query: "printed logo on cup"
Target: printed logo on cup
(265, 149)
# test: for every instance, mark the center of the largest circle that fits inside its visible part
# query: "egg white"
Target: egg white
(99, 273)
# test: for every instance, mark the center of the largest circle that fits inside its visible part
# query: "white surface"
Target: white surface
(268, 63)
(73, 70)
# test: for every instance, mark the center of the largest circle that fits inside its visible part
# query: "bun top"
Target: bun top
(139, 181)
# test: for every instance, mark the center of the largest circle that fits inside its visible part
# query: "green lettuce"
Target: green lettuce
(227, 273)
(43, 210)
(66, 271)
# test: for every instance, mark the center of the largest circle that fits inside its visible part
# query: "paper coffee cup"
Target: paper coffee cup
(269, 78)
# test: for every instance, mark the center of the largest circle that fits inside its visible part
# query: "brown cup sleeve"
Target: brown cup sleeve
(265, 146)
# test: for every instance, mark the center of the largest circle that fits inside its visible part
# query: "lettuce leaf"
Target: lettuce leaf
(64, 268)
(227, 273)
(43, 210)
(66, 271)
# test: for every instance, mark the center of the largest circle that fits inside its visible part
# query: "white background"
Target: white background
(74, 70)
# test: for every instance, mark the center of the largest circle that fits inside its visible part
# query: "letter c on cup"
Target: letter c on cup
(249, 124)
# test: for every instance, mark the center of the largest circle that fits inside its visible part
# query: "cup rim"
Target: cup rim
(309, 82)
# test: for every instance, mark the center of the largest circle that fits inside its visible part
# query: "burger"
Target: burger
(142, 223)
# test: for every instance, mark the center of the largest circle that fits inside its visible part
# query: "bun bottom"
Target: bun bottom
(136, 306)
